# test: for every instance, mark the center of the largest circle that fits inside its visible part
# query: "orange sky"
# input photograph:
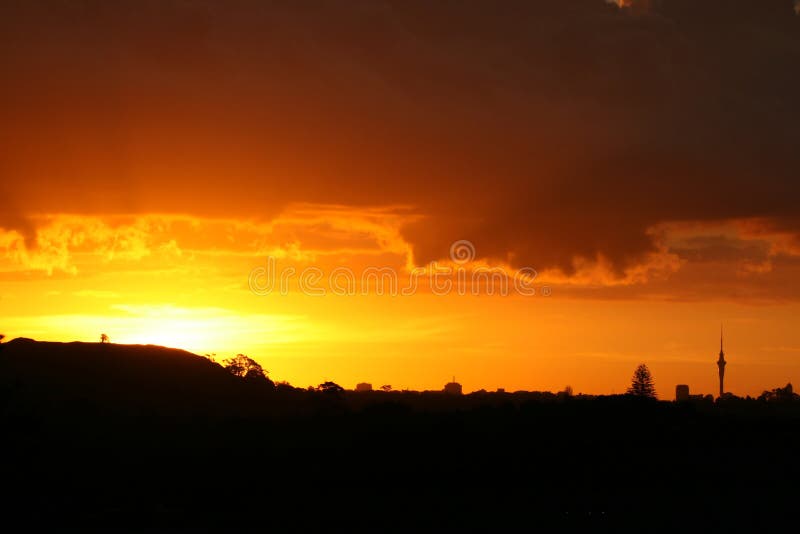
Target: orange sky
(183, 281)
(642, 161)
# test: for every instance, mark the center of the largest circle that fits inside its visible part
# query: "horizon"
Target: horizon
(529, 196)
(220, 358)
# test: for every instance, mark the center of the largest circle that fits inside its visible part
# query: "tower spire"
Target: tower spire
(721, 364)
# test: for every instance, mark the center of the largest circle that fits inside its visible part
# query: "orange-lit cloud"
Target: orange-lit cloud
(759, 253)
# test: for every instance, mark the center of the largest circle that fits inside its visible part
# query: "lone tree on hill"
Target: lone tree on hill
(642, 383)
(103, 338)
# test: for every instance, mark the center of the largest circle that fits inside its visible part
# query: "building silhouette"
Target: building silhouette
(681, 392)
(721, 365)
(453, 388)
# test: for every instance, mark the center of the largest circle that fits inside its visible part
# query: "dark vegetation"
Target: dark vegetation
(107, 435)
(642, 383)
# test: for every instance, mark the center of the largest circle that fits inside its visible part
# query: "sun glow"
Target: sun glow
(192, 335)
(198, 330)
(202, 330)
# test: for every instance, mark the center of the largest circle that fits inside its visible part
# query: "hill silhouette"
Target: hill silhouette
(113, 378)
(45, 360)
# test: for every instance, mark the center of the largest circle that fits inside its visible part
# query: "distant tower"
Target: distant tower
(721, 364)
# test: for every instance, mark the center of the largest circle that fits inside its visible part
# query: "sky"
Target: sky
(520, 194)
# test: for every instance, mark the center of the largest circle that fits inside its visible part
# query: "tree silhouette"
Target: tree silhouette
(103, 338)
(244, 367)
(331, 388)
(642, 383)
(779, 394)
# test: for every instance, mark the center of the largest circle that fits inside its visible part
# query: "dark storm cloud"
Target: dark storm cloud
(540, 130)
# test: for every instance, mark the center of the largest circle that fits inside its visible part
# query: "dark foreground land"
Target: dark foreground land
(141, 437)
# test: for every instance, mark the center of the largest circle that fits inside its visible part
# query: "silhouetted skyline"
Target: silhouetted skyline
(242, 366)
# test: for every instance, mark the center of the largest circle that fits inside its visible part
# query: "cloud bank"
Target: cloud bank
(550, 134)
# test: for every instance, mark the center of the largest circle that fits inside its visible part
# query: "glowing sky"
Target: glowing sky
(642, 160)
